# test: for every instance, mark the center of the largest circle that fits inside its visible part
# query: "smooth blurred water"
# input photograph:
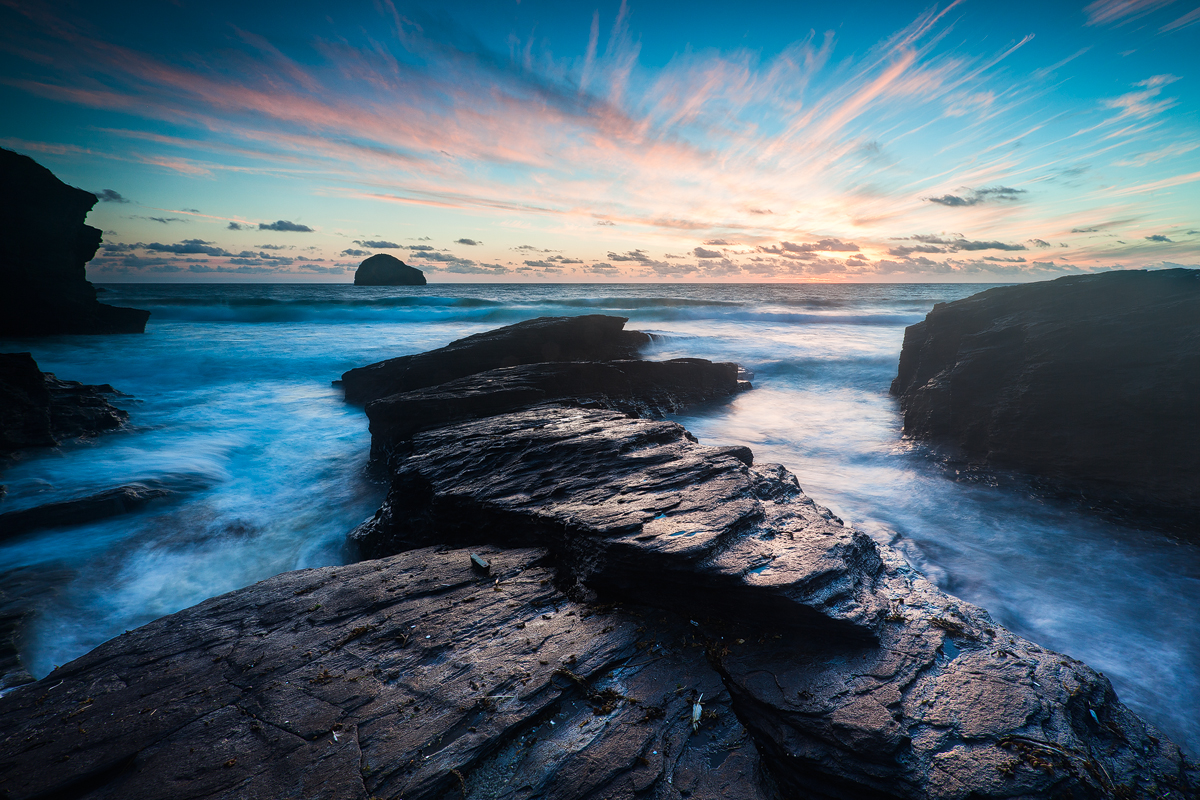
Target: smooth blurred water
(230, 402)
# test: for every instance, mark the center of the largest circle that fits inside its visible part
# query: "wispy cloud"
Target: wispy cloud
(1186, 21)
(1119, 12)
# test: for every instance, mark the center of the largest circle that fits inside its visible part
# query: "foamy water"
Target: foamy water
(231, 406)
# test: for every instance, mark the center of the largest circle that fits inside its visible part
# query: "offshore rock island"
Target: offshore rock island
(385, 270)
(569, 597)
(1089, 383)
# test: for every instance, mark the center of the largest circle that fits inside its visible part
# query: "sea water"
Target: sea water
(232, 408)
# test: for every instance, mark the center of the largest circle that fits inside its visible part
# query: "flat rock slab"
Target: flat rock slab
(109, 503)
(409, 677)
(592, 337)
(645, 388)
(1088, 382)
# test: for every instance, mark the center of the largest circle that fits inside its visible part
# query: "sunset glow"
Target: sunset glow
(615, 142)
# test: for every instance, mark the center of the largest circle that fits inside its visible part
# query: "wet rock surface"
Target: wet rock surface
(592, 337)
(878, 685)
(109, 503)
(22, 591)
(384, 270)
(39, 410)
(634, 509)
(44, 247)
(1089, 383)
(408, 677)
(645, 388)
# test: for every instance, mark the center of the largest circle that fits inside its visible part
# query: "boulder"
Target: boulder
(39, 410)
(385, 270)
(1089, 383)
(44, 247)
(109, 503)
(592, 337)
(644, 388)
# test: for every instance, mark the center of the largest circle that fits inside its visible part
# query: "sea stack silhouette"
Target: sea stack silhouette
(385, 270)
(44, 250)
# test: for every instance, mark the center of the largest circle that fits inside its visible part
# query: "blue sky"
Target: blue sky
(635, 141)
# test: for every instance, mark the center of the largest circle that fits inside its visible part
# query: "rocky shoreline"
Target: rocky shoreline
(567, 597)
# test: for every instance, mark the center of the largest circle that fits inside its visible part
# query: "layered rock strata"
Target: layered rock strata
(592, 337)
(878, 685)
(1089, 383)
(39, 410)
(411, 677)
(645, 388)
(44, 247)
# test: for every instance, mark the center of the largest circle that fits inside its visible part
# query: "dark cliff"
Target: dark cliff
(1090, 383)
(44, 248)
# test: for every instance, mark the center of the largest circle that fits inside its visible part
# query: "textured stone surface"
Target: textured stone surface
(646, 388)
(411, 677)
(39, 410)
(592, 337)
(385, 270)
(855, 676)
(633, 509)
(420, 675)
(1088, 382)
(44, 247)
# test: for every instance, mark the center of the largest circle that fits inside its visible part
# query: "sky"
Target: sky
(521, 140)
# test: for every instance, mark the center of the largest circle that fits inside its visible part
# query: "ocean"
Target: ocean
(231, 406)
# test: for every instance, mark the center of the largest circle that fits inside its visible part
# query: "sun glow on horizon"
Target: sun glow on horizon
(958, 146)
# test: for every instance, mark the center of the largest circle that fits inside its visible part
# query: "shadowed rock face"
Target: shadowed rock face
(385, 270)
(645, 388)
(592, 337)
(39, 410)
(1089, 382)
(44, 247)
